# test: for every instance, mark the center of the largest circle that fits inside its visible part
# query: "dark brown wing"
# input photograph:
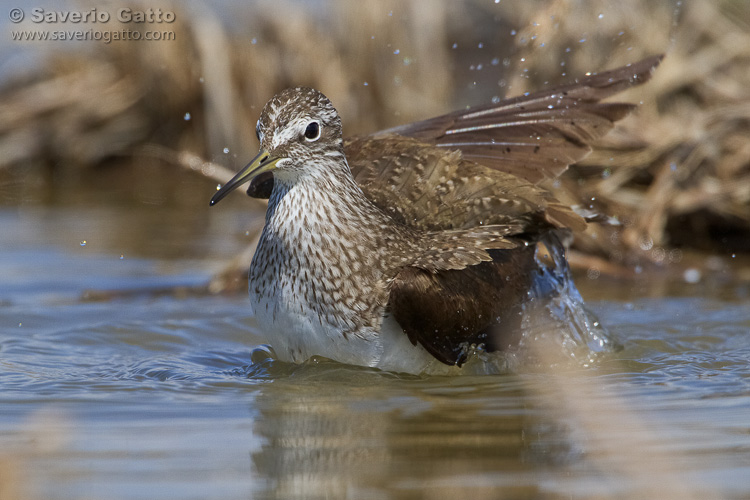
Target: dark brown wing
(535, 136)
(448, 311)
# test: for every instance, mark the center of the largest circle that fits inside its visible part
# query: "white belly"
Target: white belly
(297, 333)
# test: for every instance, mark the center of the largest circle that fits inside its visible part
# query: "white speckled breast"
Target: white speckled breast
(319, 280)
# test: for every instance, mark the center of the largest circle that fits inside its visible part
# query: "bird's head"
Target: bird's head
(299, 130)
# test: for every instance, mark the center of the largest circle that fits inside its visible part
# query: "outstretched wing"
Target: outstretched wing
(458, 295)
(536, 136)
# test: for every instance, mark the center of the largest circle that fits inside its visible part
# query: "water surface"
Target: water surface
(153, 396)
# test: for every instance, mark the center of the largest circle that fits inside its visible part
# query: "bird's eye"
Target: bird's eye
(257, 130)
(312, 132)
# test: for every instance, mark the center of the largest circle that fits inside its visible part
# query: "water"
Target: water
(160, 397)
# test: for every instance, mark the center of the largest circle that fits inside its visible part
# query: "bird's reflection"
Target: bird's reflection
(353, 433)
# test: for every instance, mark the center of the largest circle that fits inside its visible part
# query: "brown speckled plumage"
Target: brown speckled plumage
(425, 232)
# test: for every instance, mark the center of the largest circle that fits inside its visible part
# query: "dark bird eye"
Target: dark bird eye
(257, 130)
(312, 132)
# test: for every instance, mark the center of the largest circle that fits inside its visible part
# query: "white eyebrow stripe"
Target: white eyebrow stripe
(290, 132)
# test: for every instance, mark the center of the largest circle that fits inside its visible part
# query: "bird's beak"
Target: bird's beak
(263, 162)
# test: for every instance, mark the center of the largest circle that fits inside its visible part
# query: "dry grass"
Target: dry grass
(677, 174)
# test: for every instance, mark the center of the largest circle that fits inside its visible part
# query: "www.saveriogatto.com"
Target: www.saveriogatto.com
(117, 24)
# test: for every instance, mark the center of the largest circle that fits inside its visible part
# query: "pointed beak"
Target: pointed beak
(263, 162)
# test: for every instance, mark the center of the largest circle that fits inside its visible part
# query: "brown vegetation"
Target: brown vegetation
(676, 174)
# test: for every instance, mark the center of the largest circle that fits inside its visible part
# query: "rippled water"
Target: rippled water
(156, 397)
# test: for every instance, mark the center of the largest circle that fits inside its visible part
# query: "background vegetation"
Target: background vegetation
(92, 123)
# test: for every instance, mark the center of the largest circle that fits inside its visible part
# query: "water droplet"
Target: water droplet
(396, 51)
(646, 243)
(593, 273)
(480, 45)
(513, 32)
(254, 41)
(218, 186)
(187, 117)
(366, 84)
(454, 46)
(20, 324)
(497, 1)
(495, 61)
(691, 275)
(122, 256)
(582, 40)
(675, 255)
(83, 243)
(601, 16)
(226, 150)
(659, 254)
(200, 79)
